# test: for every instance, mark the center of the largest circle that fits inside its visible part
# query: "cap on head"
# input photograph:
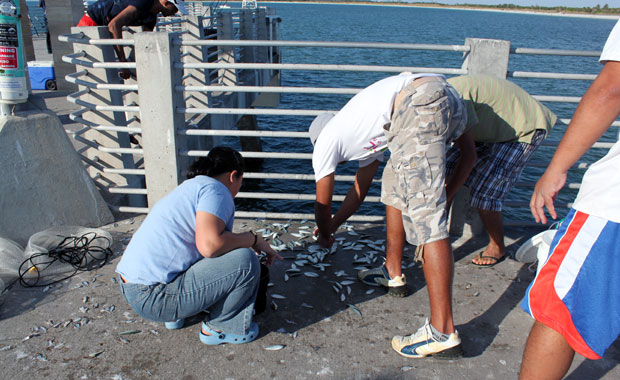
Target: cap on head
(318, 124)
(180, 4)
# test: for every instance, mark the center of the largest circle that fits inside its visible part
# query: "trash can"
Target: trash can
(42, 75)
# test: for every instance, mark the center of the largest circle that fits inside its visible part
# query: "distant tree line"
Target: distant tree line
(604, 10)
(596, 10)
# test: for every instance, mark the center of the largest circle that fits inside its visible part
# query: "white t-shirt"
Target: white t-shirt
(356, 132)
(599, 194)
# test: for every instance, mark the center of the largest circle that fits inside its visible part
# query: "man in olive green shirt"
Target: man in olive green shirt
(508, 126)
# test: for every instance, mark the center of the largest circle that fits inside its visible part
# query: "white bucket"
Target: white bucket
(536, 248)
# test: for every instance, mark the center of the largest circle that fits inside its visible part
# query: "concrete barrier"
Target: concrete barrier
(42, 180)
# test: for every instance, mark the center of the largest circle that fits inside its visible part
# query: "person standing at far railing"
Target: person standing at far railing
(116, 14)
(575, 297)
(415, 116)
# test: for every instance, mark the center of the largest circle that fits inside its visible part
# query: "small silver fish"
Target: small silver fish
(278, 296)
(356, 310)
(130, 332)
(311, 274)
(347, 282)
(275, 347)
(370, 291)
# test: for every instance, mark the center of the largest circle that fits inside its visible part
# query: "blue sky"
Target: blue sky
(543, 3)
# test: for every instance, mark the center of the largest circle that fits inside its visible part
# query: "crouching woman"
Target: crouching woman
(185, 259)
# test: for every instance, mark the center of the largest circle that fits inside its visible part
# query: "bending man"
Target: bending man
(508, 126)
(415, 116)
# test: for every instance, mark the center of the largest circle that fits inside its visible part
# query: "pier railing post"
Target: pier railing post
(194, 30)
(157, 78)
(248, 31)
(488, 57)
(99, 160)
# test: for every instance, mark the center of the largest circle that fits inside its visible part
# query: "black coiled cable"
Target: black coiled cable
(78, 251)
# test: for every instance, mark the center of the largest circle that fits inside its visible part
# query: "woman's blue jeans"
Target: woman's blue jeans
(226, 286)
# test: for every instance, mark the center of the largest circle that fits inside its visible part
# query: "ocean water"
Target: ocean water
(391, 24)
(397, 24)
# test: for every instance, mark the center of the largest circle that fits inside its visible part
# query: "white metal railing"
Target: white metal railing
(227, 101)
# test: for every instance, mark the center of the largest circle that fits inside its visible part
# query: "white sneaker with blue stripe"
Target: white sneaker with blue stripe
(422, 344)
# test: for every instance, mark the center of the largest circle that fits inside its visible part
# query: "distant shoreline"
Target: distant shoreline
(457, 7)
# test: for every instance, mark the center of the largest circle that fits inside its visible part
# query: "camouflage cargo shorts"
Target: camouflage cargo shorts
(428, 115)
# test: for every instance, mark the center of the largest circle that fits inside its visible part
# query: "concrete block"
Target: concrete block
(42, 180)
(487, 56)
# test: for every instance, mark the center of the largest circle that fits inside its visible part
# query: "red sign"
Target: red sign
(8, 57)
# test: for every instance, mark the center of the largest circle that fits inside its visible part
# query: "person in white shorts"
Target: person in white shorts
(575, 297)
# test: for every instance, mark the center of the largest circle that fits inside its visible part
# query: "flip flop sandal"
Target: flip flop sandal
(496, 260)
(221, 337)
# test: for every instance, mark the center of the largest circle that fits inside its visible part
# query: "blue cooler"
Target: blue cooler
(42, 75)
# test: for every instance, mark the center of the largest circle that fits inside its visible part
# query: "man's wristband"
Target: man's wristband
(255, 238)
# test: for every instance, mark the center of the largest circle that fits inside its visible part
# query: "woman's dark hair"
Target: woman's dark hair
(220, 159)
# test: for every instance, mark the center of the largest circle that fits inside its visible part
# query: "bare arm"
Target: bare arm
(355, 196)
(466, 162)
(212, 239)
(323, 209)
(115, 26)
(598, 108)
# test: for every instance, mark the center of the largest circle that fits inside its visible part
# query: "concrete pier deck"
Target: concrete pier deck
(328, 341)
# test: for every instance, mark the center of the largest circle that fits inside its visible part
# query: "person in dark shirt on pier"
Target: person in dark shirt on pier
(415, 116)
(116, 14)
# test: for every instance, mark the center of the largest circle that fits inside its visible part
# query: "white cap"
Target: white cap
(180, 4)
(318, 124)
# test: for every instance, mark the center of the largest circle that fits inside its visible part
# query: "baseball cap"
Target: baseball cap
(180, 4)
(318, 124)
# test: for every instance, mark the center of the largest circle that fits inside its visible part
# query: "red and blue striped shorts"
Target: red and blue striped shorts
(577, 291)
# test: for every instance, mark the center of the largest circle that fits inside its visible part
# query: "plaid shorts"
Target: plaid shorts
(431, 115)
(496, 171)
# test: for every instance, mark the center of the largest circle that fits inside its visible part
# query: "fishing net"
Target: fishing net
(58, 253)
(11, 257)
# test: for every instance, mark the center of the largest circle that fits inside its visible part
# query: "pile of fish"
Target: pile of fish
(309, 259)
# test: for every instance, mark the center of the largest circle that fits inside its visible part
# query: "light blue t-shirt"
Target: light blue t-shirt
(165, 244)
